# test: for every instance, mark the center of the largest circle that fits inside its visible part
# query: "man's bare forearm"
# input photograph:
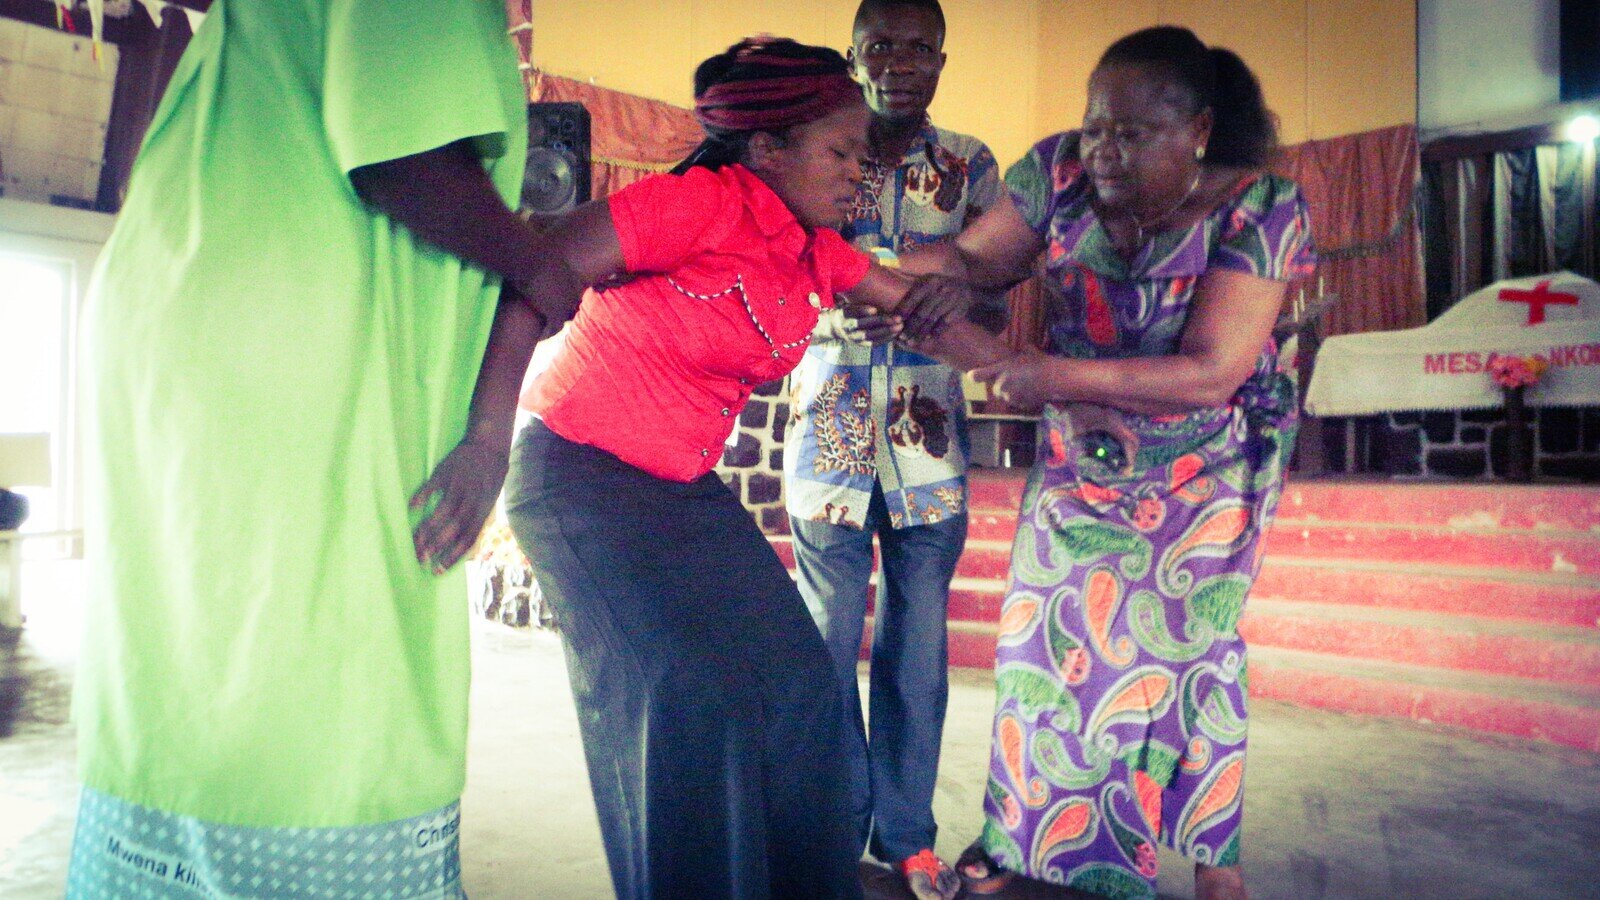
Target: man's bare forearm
(447, 199)
(517, 328)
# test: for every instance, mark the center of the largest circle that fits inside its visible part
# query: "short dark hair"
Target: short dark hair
(879, 7)
(1243, 132)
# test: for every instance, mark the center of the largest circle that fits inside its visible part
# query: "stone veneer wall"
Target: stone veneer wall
(753, 466)
(1471, 444)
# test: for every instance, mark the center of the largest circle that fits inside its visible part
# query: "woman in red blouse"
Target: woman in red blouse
(705, 695)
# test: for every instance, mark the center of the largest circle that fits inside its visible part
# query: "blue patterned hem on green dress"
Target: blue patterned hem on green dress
(124, 850)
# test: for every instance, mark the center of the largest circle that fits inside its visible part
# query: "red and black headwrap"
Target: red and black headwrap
(764, 84)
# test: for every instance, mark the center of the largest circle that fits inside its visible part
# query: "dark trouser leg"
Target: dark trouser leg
(707, 701)
(834, 568)
(910, 681)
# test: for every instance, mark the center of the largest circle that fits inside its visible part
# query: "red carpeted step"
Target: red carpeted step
(1495, 705)
(1520, 550)
(1440, 505)
(1444, 641)
(976, 599)
(985, 559)
(1552, 599)
(1523, 550)
(1516, 707)
(1443, 505)
(985, 524)
(972, 645)
(1476, 606)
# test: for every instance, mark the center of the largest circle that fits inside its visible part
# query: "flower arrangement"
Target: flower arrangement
(1515, 374)
(1512, 372)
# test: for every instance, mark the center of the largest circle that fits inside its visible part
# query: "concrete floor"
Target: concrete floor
(1339, 807)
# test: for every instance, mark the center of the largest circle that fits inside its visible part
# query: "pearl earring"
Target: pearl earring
(1199, 154)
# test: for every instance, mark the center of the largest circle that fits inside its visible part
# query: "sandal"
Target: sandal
(928, 877)
(980, 873)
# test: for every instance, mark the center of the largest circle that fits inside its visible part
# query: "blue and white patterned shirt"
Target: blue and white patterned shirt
(862, 412)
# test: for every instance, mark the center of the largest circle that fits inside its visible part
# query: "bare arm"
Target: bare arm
(445, 197)
(1229, 321)
(576, 250)
(569, 254)
(995, 251)
(468, 479)
(960, 344)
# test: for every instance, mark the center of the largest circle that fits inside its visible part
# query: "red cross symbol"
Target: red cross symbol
(1537, 299)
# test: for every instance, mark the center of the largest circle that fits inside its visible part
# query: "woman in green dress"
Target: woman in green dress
(283, 335)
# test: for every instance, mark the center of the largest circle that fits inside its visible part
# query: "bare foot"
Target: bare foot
(1218, 883)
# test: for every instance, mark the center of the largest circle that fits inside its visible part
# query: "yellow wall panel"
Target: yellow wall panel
(1072, 35)
(1270, 35)
(987, 89)
(1018, 68)
(1362, 69)
(714, 26)
(626, 45)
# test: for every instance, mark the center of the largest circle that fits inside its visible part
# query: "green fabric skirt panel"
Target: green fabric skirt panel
(271, 371)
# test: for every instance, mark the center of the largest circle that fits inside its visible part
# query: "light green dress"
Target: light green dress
(272, 369)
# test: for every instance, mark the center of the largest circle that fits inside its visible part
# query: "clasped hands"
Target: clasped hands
(930, 305)
(1025, 380)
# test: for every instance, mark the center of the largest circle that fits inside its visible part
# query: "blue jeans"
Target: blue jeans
(892, 773)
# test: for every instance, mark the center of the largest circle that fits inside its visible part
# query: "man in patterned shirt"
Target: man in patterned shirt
(877, 444)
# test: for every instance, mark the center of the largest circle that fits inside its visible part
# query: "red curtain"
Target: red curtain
(1360, 188)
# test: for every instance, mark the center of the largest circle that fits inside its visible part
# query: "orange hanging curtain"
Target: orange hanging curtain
(1361, 189)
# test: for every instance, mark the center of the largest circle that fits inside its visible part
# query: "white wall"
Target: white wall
(73, 237)
(1487, 65)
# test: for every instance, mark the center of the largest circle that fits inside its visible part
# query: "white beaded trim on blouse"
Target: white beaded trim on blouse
(738, 285)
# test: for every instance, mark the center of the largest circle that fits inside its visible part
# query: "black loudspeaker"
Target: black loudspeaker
(557, 178)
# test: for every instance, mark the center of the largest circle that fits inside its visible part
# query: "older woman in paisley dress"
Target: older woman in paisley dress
(1166, 429)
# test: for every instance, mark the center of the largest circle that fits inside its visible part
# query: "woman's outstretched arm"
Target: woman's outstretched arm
(996, 251)
(957, 342)
(1229, 321)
